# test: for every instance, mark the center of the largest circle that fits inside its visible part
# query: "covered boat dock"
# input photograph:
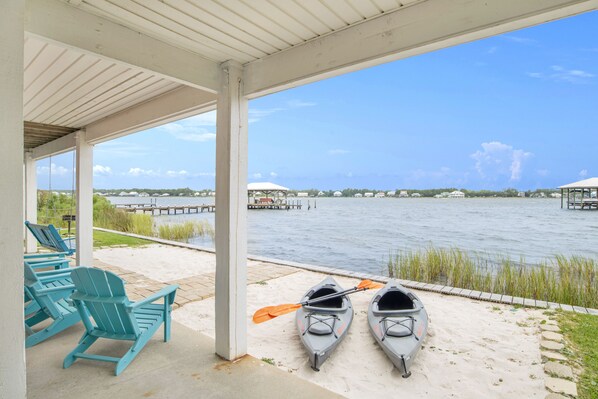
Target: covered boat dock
(581, 194)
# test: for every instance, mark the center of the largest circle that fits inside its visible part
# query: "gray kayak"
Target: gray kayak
(323, 325)
(399, 323)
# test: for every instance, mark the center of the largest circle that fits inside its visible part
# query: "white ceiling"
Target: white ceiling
(241, 30)
(66, 88)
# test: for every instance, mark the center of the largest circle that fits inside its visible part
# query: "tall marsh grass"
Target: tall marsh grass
(569, 280)
(108, 216)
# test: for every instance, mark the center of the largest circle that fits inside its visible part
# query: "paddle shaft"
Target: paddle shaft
(331, 296)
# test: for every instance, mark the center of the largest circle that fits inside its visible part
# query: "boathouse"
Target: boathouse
(581, 194)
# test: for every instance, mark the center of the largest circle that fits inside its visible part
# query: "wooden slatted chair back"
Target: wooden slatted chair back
(103, 295)
(49, 237)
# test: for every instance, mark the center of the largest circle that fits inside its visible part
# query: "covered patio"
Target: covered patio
(75, 73)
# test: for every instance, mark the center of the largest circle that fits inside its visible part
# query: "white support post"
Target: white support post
(231, 214)
(30, 201)
(12, 331)
(84, 200)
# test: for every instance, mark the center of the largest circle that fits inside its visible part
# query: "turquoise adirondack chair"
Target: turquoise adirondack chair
(40, 260)
(59, 267)
(49, 292)
(102, 295)
(50, 238)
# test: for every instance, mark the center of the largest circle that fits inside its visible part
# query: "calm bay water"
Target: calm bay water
(360, 233)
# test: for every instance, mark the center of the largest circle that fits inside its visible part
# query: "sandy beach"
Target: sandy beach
(474, 349)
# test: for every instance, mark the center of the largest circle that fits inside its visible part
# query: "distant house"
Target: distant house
(165, 195)
(144, 194)
(133, 194)
(212, 194)
(368, 195)
(122, 194)
(302, 195)
(321, 194)
(380, 195)
(337, 194)
(358, 195)
(521, 194)
(555, 195)
(391, 193)
(416, 195)
(196, 194)
(403, 194)
(456, 194)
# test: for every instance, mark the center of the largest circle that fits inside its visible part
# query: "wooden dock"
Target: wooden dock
(154, 209)
(168, 210)
(586, 203)
(274, 206)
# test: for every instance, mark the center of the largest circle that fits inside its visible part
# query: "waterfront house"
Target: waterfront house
(98, 70)
(302, 195)
(380, 195)
(416, 195)
(456, 194)
(358, 195)
(337, 194)
(403, 194)
(391, 193)
(368, 195)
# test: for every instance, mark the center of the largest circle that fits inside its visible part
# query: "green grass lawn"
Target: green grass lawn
(581, 331)
(104, 239)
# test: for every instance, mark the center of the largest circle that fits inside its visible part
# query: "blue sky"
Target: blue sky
(517, 110)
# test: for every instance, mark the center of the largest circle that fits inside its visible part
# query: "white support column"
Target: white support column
(12, 331)
(30, 200)
(84, 200)
(231, 214)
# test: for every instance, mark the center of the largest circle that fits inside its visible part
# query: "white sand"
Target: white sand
(162, 263)
(474, 349)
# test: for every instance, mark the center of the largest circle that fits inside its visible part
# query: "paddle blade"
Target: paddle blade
(262, 315)
(271, 312)
(369, 284)
(283, 309)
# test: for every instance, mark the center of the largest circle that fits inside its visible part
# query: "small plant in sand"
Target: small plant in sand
(570, 280)
(269, 360)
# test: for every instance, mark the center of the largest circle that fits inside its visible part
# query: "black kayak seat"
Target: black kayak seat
(336, 303)
(395, 300)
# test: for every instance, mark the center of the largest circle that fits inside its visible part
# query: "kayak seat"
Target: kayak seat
(397, 326)
(329, 303)
(395, 300)
(321, 324)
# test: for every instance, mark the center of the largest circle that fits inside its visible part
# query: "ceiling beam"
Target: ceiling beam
(420, 28)
(171, 106)
(66, 25)
(168, 107)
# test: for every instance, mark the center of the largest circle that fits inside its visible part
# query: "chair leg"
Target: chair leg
(84, 343)
(166, 320)
(57, 326)
(128, 357)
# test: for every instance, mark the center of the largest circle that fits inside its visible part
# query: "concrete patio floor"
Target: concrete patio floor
(185, 367)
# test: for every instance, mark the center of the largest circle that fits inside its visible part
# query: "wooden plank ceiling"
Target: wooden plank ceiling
(37, 134)
(242, 30)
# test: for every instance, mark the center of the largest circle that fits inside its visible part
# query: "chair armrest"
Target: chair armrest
(53, 290)
(51, 273)
(170, 290)
(77, 296)
(46, 255)
(51, 263)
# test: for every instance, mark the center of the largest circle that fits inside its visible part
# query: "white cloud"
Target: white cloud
(273, 174)
(492, 50)
(561, 74)
(496, 159)
(54, 170)
(189, 133)
(179, 173)
(300, 104)
(256, 115)
(583, 173)
(337, 151)
(99, 170)
(136, 172)
(257, 175)
(123, 149)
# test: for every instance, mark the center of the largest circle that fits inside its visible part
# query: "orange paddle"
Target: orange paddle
(271, 312)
